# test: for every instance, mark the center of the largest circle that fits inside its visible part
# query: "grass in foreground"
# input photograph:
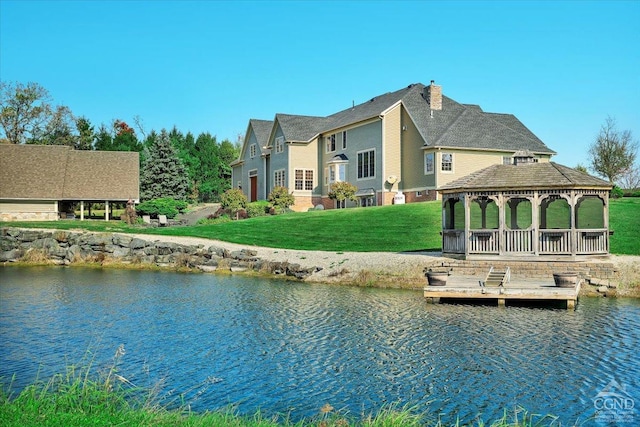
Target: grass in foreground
(75, 399)
(396, 228)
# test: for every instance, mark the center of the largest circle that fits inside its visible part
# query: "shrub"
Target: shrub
(281, 199)
(342, 190)
(233, 200)
(617, 192)
(163, 206)
(210, 220)
(259, 208)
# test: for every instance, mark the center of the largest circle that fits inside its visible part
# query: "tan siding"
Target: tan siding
(392, 148)
(466, 162)
(303, 157)
(413, 157)
(28, 210)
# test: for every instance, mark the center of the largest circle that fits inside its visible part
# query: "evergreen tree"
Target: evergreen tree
(163, 173)
(86, 135)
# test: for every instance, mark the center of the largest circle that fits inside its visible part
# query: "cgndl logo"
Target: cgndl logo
(614, 404)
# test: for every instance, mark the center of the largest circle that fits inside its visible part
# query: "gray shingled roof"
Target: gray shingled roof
(300, 128)
(53, 172)
(547, 175)
(457, 125)
(262, 129)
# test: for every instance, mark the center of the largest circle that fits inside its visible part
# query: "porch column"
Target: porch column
(81, 210)
(106, 210)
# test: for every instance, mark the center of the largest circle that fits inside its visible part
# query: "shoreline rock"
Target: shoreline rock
(621, 274)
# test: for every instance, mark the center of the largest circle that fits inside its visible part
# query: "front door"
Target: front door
(253, 188)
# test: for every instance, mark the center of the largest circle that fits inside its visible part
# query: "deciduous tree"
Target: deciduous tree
(24, 110)
(613, 153)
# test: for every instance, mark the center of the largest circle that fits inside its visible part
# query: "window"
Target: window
(447, 162)
(418, 193)
(278, 178)
(252, 150)
(337, 173)
(344, 139)
(331, 143)
(367, 164)
(279, 144)
(304, 179)
(428, 163)
(507, 160)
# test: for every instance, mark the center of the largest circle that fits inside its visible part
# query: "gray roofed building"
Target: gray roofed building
(416, 135)
(34, 178)
(262, 129)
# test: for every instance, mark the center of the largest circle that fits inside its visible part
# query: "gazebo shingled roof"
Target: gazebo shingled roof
(542, 176)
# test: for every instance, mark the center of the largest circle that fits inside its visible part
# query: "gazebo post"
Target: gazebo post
(535, 222)
(574, 231)
(106, 210)
(467, 222)
(81, 210)
(605, 197)
(501, 223)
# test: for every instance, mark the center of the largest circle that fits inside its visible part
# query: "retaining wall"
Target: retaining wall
(65, 248)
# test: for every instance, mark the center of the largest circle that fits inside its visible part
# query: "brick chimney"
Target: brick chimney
(433, 95)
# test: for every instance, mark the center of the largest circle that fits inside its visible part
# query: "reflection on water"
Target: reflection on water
(291, 347)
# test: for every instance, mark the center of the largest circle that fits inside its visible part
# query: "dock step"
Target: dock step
(496, 278)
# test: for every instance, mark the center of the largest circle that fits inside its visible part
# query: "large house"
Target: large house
(43, 182)
(399, 146)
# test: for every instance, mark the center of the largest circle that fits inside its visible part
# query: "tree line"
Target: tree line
(173, 164)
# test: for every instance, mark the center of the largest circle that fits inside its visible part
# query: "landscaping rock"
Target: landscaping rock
(11, 255)
(121, 240)
(138, 243)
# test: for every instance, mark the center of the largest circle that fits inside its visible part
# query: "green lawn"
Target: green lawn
(409, 227)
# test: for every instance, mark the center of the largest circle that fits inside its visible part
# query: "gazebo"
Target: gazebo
(526, 210)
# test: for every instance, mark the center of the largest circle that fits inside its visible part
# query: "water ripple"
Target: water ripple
(290, 348)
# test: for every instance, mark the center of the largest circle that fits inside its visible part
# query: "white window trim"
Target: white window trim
(433, 163)
(304, 179)
(253, 149)
(279, 144)
(330, 140)
(344, 139)
(275, 179)
(335, 167)
(358, 165)
(453, 159)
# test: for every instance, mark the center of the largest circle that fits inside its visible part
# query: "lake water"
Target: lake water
(287, 347)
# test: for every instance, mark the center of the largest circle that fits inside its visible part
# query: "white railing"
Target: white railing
(453, 241)
(592, 241)
(484, 241)
(555, 241)
(518, 241)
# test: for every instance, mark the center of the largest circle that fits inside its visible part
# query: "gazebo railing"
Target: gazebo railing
(555, 241)
(518, 241)
(485, 241)
(550, 241)
(453, 241)
(592, 241)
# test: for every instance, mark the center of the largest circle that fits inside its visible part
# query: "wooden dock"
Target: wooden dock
(520, 290)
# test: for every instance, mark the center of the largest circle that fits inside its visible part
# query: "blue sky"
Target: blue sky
(560, 67)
